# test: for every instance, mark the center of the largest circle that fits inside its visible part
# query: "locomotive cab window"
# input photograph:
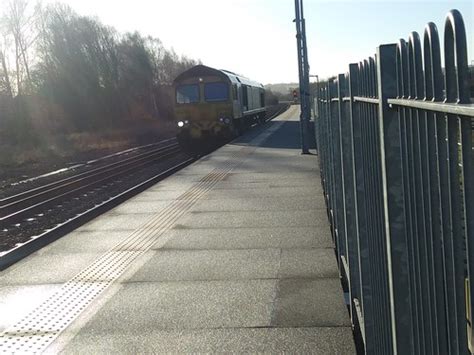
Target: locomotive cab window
(216, 92)
(187, 94)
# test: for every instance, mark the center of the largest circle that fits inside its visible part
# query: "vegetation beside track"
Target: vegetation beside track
(63, 150)
(64, 78)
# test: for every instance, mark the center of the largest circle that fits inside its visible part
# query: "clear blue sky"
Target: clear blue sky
(364, 25)
(257, 37)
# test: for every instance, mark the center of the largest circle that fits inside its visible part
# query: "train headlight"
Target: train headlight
(180, 124)
(226, 120)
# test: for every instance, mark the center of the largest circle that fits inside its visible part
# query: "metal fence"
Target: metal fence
(396, 159)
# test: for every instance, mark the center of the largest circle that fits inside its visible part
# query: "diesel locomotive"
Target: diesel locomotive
(211, 104)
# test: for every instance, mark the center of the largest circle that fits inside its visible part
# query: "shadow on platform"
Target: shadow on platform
(286, 137)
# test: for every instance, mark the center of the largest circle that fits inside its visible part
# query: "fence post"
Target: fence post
(364, 304)
(434, 93)
(352, 251)
(340, 214)
(394, 213)
(460, 179)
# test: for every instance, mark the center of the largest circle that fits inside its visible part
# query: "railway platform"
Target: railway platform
(231, 254)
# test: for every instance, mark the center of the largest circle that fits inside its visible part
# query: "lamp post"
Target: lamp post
(303, 69)
(315, 102)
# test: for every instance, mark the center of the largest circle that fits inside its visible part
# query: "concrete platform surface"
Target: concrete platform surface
(231, 254)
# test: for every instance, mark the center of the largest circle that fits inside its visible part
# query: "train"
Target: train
(212, 105)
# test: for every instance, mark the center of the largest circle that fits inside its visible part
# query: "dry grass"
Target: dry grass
(85, 145)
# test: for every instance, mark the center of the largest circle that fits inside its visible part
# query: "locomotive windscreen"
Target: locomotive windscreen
(187, 94)
(216, 92)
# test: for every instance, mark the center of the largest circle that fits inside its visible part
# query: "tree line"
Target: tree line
(67, 71)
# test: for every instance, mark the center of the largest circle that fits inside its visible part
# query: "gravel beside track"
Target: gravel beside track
(18, 233)
(9, 189)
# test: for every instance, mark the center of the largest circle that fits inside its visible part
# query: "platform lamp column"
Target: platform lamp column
(315, 106)
(303, 68)
(314, 103)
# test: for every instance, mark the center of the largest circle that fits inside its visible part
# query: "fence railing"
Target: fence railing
(396, 159)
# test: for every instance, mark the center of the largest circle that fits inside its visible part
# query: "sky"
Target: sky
(256, 38)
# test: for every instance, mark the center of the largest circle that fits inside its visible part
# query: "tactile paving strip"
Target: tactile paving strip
(40, 327)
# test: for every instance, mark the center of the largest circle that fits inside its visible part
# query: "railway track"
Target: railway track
(35, 217)
(276, 110)
(20, 206)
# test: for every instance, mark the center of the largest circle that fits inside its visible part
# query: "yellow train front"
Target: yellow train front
(214, 105)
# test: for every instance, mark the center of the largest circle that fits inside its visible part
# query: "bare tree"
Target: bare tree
(5, 85)
(75, 62)
(19, 23)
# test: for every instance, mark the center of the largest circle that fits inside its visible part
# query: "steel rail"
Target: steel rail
(21, 251)
(369, 100)
(466, 110)
(30, 202)
(6, 201)
(279, 111)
